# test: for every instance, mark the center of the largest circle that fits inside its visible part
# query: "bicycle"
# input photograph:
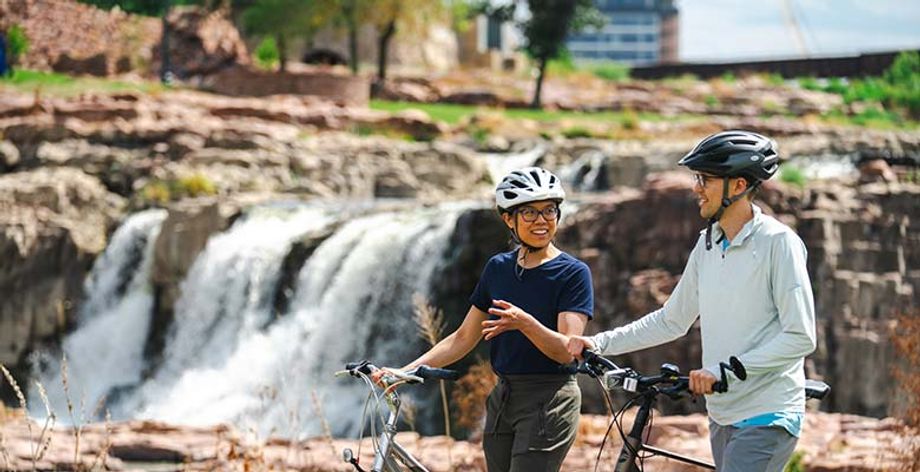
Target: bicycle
(668, 382)
(389, 456)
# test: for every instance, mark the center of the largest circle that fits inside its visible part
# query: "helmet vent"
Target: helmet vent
(509, 195)
(536, 177)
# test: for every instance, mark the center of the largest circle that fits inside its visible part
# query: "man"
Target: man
(747, 282)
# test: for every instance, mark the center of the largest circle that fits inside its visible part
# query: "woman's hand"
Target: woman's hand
(510, 318)
(577, 344)
(378, 375)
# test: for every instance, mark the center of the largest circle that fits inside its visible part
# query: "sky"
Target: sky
(723, 30)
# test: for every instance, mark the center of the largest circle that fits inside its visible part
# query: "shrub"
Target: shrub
(196, 185)
(267, 55)
(792, 175)
(18, 43)
(577, 132)
(630, 119)
(611, 71)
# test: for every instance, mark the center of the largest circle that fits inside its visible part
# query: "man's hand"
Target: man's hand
(701, 381)
(577, 344)
(510, 318)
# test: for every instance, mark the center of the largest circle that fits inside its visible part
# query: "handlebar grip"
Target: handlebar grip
(426, 373)
(364, 367)
(595, 358)
(719, 387)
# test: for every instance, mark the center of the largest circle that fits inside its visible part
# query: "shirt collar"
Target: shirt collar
(746, 231)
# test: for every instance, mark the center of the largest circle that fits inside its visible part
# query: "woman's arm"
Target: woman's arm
(455, 346)
(551, 343)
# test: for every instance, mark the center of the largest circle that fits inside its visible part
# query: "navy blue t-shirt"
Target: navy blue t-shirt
(560, 284)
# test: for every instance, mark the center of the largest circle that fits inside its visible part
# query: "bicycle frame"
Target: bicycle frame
(626, 461)
(389, 451)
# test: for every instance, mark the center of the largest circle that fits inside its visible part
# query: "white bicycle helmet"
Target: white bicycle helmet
(530, 184)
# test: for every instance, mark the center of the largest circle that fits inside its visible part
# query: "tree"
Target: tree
(550, 22)
(286, 19)
(352, 13)
(412, 16)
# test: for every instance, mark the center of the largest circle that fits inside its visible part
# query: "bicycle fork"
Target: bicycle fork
(629, 453)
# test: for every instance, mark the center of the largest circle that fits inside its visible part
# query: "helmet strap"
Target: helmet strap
(726, 202)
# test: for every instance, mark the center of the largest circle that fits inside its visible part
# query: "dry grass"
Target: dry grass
(431, 324)
(470, 394)
(327, 431)
(905, 336)
(39, 447)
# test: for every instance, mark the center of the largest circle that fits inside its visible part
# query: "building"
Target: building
(636, 32)
(490, 43)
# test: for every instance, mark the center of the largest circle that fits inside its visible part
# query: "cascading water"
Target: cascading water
(353, 300)
(106, 350)
(228, 357)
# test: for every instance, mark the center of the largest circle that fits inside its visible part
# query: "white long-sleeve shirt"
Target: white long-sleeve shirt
(754, 301)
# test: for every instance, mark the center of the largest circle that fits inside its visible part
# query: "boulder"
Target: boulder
(53, 222)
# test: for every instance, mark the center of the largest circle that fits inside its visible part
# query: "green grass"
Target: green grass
(53, 83)
(452, 114)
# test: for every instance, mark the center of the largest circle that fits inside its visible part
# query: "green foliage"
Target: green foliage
(809, 83)
(17, 42)
(161, 192)
(877, 117)
(54, 83)
(267, 55)
(562, 65)
(479, 134)
(711, 101)
(630, 119)
(791, 174)
(775, 80)
(796, 463)
(577, 132)
(612, 71)
(551, 21)
(140, 7)
(196, 185)
(156, 193)
(728, 77)
(836, 85)
(898, 88)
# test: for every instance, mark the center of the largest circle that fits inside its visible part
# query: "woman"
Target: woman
(526, 304)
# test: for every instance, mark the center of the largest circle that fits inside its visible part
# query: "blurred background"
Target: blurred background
(208, 207)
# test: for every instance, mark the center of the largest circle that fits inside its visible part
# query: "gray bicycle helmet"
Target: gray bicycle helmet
(530, 184)
(734, 153)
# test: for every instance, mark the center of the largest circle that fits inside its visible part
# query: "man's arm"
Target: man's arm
(668, 323)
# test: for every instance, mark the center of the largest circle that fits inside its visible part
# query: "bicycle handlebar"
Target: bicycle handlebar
(416, 375)
(596, 366)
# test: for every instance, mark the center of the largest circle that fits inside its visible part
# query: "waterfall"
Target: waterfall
(227, 361)
(105, 352)
(500, 164)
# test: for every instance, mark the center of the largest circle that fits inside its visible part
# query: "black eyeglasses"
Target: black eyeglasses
(702, 179)
(530, 214)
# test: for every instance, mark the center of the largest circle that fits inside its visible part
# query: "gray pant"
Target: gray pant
(751, 449)
(531, 421)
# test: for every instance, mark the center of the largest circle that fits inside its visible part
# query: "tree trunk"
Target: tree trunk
(535, 104)
(282, 52)
(383, 44)
(353, 45)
